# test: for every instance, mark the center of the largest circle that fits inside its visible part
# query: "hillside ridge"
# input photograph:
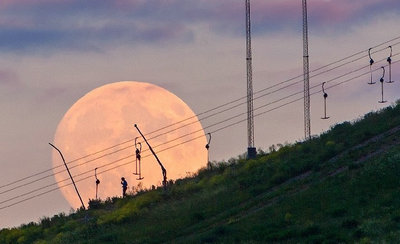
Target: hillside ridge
(341, 186)
(257, 207)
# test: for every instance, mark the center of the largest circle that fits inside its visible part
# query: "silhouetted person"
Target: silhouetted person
(124, 186)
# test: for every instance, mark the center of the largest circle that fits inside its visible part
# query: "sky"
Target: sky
(53, 52)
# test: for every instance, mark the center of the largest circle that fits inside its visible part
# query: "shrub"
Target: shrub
(94, 203)
(131, 208)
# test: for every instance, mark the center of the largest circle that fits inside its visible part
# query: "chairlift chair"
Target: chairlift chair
(325, 97)
(138, 151)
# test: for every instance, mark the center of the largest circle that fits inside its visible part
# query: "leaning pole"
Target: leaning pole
(70, 176)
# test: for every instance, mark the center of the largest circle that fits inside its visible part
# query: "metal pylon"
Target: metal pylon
(251, 152)
(306, 70)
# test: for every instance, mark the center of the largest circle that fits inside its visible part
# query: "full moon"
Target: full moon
(98, 132)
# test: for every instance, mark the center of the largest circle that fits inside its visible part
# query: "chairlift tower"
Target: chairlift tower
(251, 150)
(306, 71)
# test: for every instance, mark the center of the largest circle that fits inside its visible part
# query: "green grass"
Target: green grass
(340, 187)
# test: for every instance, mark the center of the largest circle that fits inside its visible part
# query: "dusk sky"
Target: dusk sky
(53, 52)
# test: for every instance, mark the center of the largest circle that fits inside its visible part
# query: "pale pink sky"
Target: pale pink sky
(54, 52)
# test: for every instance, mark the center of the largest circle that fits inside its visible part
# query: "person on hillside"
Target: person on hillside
(124, 184)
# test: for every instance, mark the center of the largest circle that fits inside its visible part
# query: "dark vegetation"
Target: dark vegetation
(343, 186)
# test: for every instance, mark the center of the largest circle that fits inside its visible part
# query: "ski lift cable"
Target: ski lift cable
(83, 173)
(185, 135)
(214, 131)
(127, 141)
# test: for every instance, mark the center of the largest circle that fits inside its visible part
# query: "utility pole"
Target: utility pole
(70, 176)
(306, 71)
(251, 150)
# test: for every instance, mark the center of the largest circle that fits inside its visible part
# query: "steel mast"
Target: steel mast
(306, 71)
(251, 150)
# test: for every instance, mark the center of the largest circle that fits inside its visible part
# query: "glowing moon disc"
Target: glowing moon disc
(104, 119)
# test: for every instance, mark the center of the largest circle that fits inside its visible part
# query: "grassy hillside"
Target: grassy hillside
(343, 186)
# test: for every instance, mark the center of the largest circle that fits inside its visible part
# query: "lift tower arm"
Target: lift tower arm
(164, 171)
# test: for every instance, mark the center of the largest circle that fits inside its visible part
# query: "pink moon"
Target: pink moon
(104, 118)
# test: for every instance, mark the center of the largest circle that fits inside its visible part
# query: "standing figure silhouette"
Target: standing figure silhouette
(124, 184)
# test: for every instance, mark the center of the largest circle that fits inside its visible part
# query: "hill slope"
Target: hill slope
(342, 186)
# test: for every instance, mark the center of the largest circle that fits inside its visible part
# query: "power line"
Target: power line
(260, 96)
(47, 176)
(262, 90)
(200, 130)
(58, 166)
(200, 119)
(291, 79)
(61, 171)
(300, 98)
(219, 129)
(89, 171)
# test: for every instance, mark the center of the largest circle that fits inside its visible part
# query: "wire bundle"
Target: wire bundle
(212, 127)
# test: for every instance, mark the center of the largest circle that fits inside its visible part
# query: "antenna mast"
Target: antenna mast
(306, 70)
(251, 150)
